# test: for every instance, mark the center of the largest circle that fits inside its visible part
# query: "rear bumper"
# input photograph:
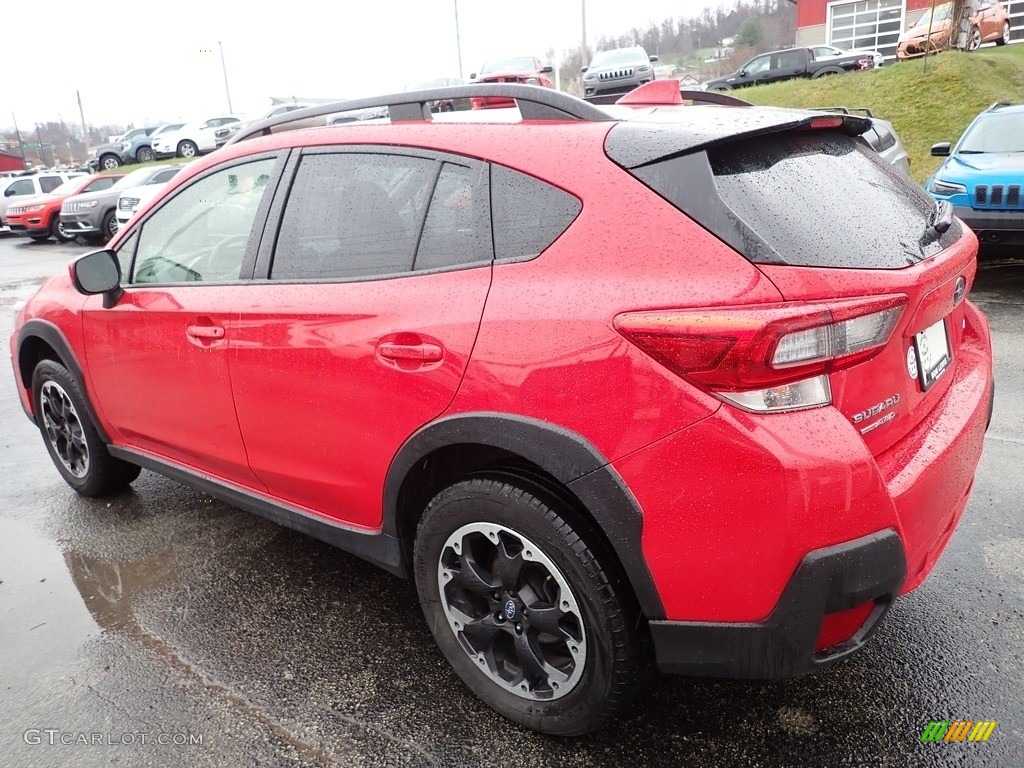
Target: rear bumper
(832, 579)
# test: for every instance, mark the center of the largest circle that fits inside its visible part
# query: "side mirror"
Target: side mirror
(654, 58)
(9, 192)
(472, 75)
(743, 73)
(941, 149)
(98, 272)
(584, 69)
(547, 70)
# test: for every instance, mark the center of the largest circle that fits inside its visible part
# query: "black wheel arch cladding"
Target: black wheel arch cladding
(566, 456)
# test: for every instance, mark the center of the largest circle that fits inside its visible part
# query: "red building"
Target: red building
(10, 161)
(873, 24)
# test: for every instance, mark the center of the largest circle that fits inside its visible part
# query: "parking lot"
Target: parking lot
(187, 633)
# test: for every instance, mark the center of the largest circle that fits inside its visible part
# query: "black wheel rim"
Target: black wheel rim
(512, 611)
(145, 155)
(64, 429)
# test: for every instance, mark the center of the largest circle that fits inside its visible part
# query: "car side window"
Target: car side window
(528, 214)
(101, 183)
(19, 187)
(758, 65)
(49, 183)
(456, 230)
(164, 176)
(790, 60)
(201, 233)
(124, 253)
(353, 215)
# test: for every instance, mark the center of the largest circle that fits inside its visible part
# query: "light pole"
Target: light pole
(225, 70)
(583, 48)
(458, 39)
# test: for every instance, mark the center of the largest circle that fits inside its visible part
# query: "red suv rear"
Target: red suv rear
(691, 384)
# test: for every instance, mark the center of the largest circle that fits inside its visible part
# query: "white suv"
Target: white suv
(193, 138)
(34, 184)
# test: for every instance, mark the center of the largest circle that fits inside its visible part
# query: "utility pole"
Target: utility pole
(85, 131)
(583, 49)
(39, 135)
(21, 144)
(67, 142)
(458, 39)
(225, 69)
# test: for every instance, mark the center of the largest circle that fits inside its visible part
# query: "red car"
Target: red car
(612, 385)
(39, 217)
(527, 70)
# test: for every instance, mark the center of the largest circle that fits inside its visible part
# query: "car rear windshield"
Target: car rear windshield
(803, 198)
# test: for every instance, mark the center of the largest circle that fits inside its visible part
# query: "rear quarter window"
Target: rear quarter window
(528, 214)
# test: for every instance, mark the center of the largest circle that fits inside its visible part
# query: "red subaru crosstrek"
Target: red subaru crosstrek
(697, 385)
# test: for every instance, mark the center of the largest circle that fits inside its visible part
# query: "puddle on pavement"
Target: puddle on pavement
(53, 599)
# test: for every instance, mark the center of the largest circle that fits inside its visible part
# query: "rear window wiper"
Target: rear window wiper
(939, 221)
(972, 152)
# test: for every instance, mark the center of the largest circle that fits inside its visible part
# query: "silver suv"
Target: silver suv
(617, 71)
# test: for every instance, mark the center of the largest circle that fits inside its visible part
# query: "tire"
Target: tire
(187, 148)
(595, 659)
(109, 226)
(974, 39)
(40, 238)
(71, 439)
(58, 231)
(1005, 37)
(110, 162)
(144, 155)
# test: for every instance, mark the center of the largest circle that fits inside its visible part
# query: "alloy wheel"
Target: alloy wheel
(64, 428)
(512, 611)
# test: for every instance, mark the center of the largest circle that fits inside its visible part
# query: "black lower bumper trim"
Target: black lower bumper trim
(827, 580)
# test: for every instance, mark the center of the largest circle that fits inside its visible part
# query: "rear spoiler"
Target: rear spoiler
(635, 143)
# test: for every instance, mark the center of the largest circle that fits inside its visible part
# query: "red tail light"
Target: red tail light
(772, 350)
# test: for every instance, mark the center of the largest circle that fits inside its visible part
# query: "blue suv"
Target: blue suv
(983, 174)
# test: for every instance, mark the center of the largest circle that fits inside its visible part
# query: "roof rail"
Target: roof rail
(999, 104)
(535, 103)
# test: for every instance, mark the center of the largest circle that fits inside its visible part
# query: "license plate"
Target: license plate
(933, 354)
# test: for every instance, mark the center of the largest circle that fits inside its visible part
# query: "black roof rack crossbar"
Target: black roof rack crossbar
(535, 103)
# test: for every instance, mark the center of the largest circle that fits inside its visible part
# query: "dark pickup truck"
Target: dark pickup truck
(787, 65)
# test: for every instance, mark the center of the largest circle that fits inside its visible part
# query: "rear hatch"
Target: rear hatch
(839, 233)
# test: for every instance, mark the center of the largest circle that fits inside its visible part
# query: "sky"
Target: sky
(156, 66)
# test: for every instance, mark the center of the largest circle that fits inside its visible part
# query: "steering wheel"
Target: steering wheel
(223, 252)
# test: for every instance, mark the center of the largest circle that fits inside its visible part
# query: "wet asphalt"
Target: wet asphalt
(161, 615)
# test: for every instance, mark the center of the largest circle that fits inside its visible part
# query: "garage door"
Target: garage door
(871, 24)
(1016, 9)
